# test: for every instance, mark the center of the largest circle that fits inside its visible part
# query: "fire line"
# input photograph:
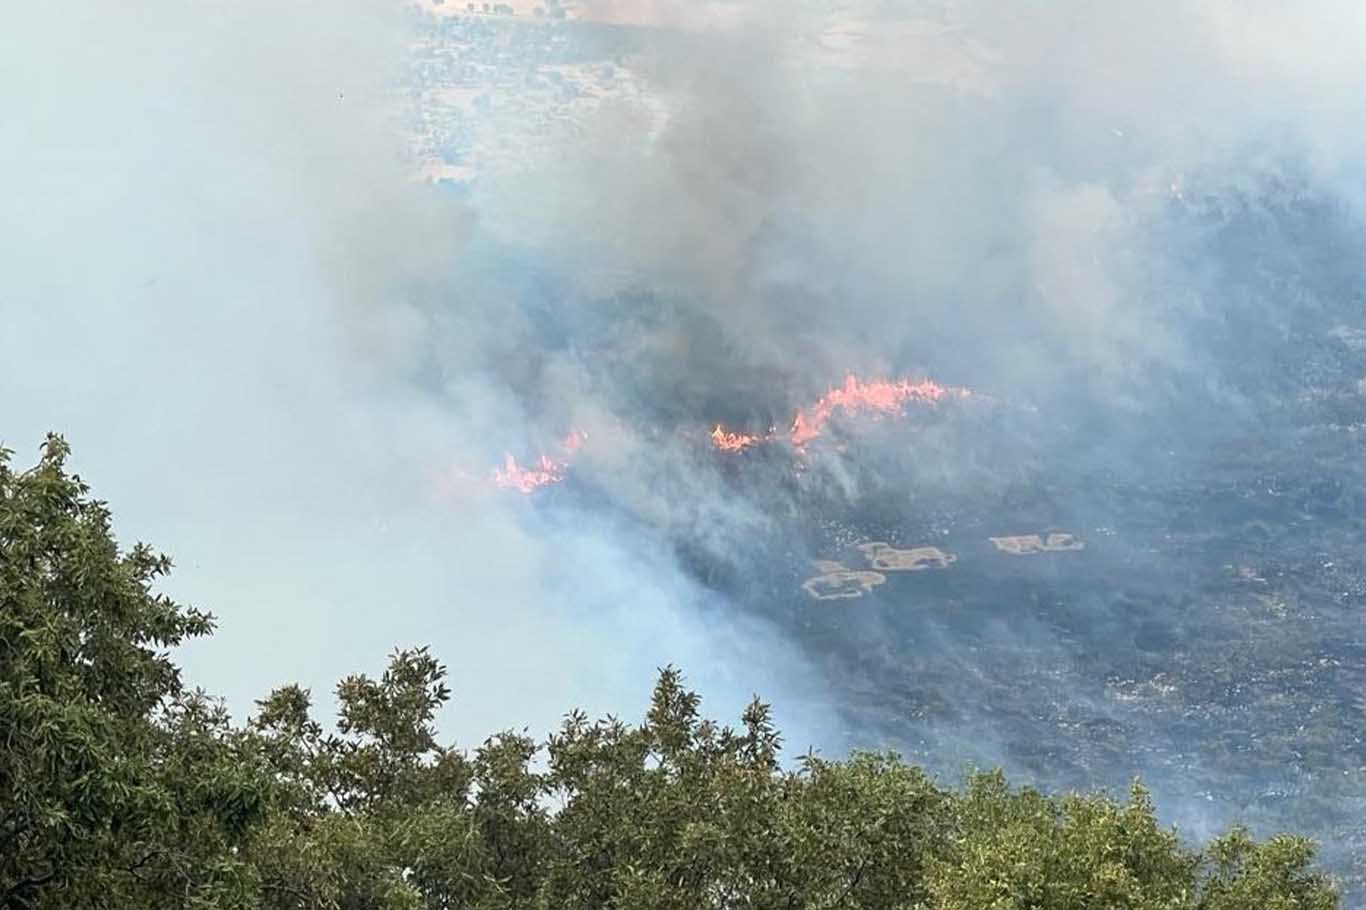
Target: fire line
(878, 397)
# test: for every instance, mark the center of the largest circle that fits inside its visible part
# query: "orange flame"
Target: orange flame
(877, 397)
(727, 441)
(855, 396)
(546, 470)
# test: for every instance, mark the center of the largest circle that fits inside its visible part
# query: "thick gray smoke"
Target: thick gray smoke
(988, 196)
(220, 282)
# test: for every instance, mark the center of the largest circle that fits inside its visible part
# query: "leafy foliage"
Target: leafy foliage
(119, 788)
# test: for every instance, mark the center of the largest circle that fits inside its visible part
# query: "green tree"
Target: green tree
(117, 788)
(376, 815)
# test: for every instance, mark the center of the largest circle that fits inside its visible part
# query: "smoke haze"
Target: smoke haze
(220, 284)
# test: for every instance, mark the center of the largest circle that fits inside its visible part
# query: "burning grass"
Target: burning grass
(875, 397)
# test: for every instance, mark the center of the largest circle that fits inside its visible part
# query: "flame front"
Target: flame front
(546, 470)
(727, 441)
(876, 396)
(856, 396)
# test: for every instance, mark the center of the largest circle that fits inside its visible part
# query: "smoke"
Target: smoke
(984, 193)
(224, 284)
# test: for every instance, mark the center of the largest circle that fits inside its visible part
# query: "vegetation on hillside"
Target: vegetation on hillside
(122, 787)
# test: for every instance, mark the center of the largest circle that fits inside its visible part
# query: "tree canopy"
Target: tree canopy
(120, 787)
